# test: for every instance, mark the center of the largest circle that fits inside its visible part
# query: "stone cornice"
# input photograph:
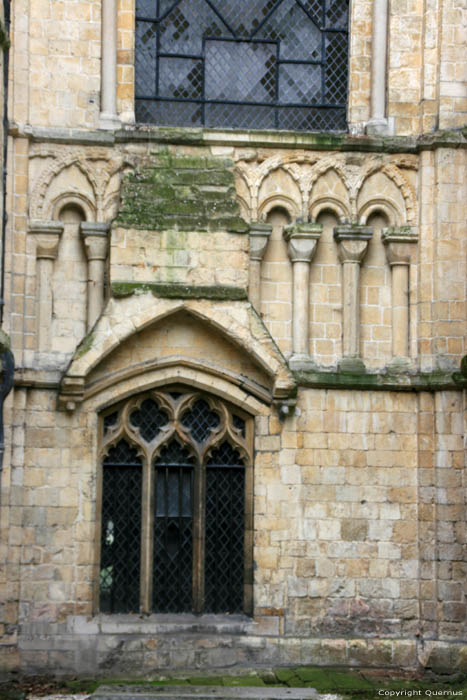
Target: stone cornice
(254, 138)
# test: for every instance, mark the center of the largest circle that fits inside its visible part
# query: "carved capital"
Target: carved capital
(47, 235)
(353, 242)
(259, 236)
(95, 239)
(399, 243)
(302, 240)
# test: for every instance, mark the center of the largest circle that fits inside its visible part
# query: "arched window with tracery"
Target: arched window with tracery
(253, 64)
(176, 516)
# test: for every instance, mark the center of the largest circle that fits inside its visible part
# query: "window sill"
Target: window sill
(158, 624)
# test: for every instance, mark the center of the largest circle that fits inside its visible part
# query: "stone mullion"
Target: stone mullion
(147, 533)
(353, 245)
(199, 537)
(302, 240)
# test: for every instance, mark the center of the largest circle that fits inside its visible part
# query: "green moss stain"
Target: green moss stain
(180, 291)
(85, 345)
(421, 381)
(177, 192)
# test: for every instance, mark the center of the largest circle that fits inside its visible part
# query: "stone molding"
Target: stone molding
(302, 239)
(96, 239)
(353, 242)
(47, 235)
(259, 237)
(399, 244)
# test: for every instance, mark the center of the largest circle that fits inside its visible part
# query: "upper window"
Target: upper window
(176, 505)
(254, 64)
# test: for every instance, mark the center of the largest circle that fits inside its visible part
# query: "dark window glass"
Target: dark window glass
(121, 531)
(187, 450)
(270, 64)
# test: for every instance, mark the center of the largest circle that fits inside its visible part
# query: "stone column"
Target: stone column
(95, 238)
(353, 244)
(108, 116)
(399, 243)
(302, 240)
(259, 237)
(379, 124)
(47, 235)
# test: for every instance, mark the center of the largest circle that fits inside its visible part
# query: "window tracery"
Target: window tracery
(176, 505)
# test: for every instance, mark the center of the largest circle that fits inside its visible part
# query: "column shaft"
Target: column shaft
(351, 309)
(259, 237)
(400, 310)
(45, 268)
(378, 60)
(301, 304)
(254, 290)
(302, 240)
(96, 270)
(109, 63)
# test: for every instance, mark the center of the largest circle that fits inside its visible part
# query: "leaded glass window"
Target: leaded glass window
(254, 64)
(176, 505)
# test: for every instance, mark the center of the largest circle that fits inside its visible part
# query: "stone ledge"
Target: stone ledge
(179, 291)
(267, 139)
(382, 381)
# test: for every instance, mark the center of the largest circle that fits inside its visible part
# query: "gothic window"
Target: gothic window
(260, 64)
(176, 518)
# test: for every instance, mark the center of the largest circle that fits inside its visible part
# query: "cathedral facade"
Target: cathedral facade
(234, 285)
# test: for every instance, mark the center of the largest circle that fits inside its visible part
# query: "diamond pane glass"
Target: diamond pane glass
(300, 38)
(299, 83)
(226, 63)
(239, 424)
(146, 59)
(149, 419)
(183, 29)
(240, 116)
(336, 68)
(240, 71)
(201, 421)
(121, 530)
(337, 14)
(244, 16)
(110, 422)
(180, 77)
(225, 523)
(173, 530)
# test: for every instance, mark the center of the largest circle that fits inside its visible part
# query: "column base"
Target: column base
(351, 365)
(380, 127)
(302, 361)
(399, 364)
(109, 121)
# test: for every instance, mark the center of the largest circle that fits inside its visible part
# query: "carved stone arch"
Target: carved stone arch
(109, 202)
(341, 212)
(326, 165)
(394, 174)
(269, 377)
(196, 377)
(386, 206)
(74, 199)
(244, 208)
(280, 201)
(54, 169)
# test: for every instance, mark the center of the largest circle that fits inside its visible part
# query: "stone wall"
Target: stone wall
(316, 281)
